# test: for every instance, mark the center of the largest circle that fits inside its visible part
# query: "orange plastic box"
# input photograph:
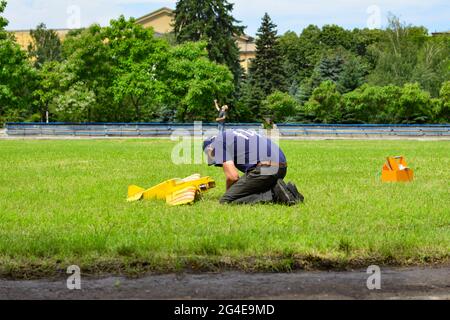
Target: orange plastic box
(396, 170)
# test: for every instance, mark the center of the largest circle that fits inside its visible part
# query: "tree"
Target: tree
(46, 46)
(211, 21)
(433, 65)
(371, 104)
(3, 21)
(311, 51)
(74, 104)
(267, 68)
(389, 104)
(329, 68)
(342, 67)
(414, 105)
(293, 61)
(325, 103)
(279, 106)
(443, 111)
(250, 100)
(333, 36)
(53, 79)
(16, 77)
(397, 53)
(363, 42)
(195, 82)
(353, 75)
(89, 60)
(124, 73)
(266, 71)
(138, 66)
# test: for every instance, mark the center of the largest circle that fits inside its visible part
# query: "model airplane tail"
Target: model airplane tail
(175, 192)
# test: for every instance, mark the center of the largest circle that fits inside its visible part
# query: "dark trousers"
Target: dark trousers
(255, 186)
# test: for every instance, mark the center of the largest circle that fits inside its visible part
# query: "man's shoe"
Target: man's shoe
(293, 189)
(282, 194)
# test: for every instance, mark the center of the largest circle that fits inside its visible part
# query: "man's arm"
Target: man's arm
(231, 173)
(217, 105)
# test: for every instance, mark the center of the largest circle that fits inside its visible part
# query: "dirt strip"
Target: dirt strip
(409, 283)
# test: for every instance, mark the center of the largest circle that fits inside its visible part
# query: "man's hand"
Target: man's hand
(217, 105)
(231, 173)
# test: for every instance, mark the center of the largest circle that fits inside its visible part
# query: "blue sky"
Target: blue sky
(287, 14)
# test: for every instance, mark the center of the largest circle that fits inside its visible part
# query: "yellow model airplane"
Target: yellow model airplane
(175, 192)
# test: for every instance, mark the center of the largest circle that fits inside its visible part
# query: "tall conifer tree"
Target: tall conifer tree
(267, 67)
(211, 21)
(266, 71)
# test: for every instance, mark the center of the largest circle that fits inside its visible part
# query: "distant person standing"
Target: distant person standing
(223, 115)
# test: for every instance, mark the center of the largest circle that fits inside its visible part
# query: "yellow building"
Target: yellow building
(442, 33)
(23, 37)
(162, 22)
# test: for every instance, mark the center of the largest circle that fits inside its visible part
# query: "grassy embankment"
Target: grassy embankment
(63, 203)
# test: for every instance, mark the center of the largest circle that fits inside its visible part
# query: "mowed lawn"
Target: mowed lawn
(63, 203)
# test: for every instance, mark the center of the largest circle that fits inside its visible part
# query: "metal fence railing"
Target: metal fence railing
(167, 129)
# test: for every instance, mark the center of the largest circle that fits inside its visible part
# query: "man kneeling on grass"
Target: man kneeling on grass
(263, 163)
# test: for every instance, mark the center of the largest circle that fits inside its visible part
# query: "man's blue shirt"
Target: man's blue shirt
(246, 148)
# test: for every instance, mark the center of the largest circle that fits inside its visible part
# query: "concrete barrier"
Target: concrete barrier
(167, 129)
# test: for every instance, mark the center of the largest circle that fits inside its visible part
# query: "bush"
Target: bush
(443, 109)
(279, 106)
(414, 105)
(74, 104)
(324, 104)
(372, 104)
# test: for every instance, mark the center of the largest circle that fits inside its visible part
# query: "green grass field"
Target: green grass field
(63, 203)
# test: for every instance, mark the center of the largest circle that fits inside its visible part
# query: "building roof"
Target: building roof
(28, 30)
(441, 33)
(155, 14)
(171, 12)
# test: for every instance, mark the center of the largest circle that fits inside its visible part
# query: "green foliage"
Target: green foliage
(195, 82)
(122, 72)
(371, 104)
(266, 74)
(53, 79)
(442, 106)
(303, 53)
(88, 58)
(46, 46)
(333, 36)
(279, 106)
(325, 103)
(250, 100)
(210, 21)
(266, 69)
(3, 21)
(16, 77)
(433, 66)
(408, 54)
(404, 67)
(74, 104)
(389, 104)
(414, 105)
(138, 63)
